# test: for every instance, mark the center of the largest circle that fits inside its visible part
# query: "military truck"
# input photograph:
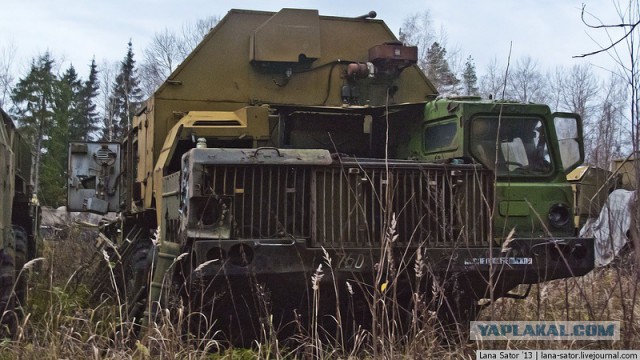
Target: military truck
(18, 221)
(284, 142)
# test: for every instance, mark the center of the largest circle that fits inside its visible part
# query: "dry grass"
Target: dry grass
(59, 323)
(605, 294)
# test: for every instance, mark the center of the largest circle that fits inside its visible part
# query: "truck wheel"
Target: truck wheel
(456, 319)
(137, 283)
(20, 259)
(8, 319)
(456, 313)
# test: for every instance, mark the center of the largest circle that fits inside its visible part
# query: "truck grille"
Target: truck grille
(433, 205)
(266, 202)
(350, 205)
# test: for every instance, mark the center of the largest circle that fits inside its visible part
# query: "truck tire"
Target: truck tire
(455, 315)
(137, 284)
(8, 319)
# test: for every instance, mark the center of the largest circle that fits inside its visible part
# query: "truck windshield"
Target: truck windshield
(513, 146)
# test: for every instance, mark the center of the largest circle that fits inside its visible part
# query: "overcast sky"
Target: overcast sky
(77, 31)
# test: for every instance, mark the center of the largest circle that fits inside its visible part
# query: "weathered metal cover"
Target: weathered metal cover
(94, 175)
(396, 53)
(218, 74)
(300, 28)
(260, 156)
(251, 121)
(577, 173)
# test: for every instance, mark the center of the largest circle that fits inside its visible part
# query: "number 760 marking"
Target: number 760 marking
(350, 261)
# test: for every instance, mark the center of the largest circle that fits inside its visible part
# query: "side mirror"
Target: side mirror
(568, 128)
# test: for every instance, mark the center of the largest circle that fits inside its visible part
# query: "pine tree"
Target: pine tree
(34, 97)
(126, 96)
(438, 70)
(469, 77)
(66, 111)
(67, 101)
(86, 125)
(109, 125)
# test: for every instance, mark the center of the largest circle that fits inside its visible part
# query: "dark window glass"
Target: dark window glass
(439, 136)
(513, 146)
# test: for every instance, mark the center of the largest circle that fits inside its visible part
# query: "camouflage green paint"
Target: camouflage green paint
(523, 196)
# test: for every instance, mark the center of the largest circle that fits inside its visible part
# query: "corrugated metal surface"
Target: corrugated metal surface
(433, 206)
(350, 205)
(265, 201)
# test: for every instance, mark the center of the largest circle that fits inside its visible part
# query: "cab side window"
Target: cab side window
(440, 136)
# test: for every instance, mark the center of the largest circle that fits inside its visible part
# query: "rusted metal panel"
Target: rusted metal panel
(94, 173)
(261, 156)
(403, 55)
(347, 205)
(265, 202)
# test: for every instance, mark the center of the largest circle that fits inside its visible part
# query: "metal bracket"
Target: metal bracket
(255, 154)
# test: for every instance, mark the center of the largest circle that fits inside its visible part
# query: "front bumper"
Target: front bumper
(521, 261)
(251, 281)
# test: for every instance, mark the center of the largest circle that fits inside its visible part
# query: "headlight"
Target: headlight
(559, 215)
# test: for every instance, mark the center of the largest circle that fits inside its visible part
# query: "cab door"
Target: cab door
(568, 128)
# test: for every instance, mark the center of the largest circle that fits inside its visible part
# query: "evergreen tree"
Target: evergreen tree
(438, 70)
(66, 111)
(109, 125)
(87, 123)
(67, 102)
(51, 111)
(469, 77)
(126, 96)
(34, 97)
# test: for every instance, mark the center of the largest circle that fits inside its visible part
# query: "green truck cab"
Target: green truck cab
(530, 150)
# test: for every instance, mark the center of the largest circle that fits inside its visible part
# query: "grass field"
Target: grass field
(59, 323)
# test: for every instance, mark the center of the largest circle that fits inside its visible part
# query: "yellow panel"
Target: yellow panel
(300, 27)
(577, 173)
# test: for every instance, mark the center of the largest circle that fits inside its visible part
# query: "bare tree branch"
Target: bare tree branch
(632, 27)
(168, 49)
(7, 57)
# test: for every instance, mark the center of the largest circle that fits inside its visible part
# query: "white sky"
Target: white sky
(77, 30)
